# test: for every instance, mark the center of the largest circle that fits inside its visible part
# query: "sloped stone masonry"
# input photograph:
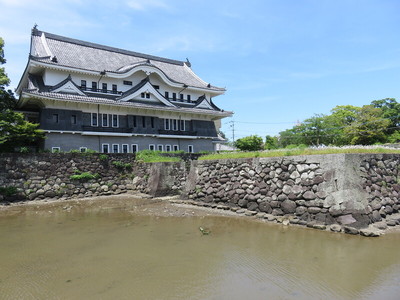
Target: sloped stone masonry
(278, 187)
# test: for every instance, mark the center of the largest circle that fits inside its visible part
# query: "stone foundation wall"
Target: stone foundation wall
(48, 175)
(381, 181)
(347, 189)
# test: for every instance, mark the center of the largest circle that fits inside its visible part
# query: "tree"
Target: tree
(7, 99)
(249, 143)
(15, 131)
(271, 142)
(341, 117)
(369, 127)
(391, 111)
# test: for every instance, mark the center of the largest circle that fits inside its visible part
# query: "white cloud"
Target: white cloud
(146, 4)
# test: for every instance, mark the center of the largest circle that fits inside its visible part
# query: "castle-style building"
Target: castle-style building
(90, 96)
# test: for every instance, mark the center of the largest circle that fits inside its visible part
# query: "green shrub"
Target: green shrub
(250, 143)
(8, 190)
(24, 150)
(121, 166)
(74, 151)
(85, 176)
(103, 157)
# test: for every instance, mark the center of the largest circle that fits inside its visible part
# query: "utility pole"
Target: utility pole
(233, 130)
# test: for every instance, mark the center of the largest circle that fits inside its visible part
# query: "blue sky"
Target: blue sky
(281, 61)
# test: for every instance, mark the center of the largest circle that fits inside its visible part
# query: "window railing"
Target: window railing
(106, 129)
(174, 132)
(102, 91)
(181, 100)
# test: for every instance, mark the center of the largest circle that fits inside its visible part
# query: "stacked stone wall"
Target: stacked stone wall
(274, 186)
(381, 181)
(348, 189)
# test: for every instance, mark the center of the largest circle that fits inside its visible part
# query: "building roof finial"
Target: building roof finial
(34, 29)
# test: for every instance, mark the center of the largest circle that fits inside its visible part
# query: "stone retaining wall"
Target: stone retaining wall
(48, 175)
(347, 189)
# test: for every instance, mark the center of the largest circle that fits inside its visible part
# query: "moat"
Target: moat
(146, 249)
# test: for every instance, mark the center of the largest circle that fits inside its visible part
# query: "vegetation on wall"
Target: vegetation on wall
(148, 156)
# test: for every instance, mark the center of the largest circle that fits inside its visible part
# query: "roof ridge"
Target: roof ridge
(106, 48)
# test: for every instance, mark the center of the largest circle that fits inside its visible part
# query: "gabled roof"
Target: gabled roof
(36, 88)
(67, 86)
(67, 52)
(144, 87)
(203, 103)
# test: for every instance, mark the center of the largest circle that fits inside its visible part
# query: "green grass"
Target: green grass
(149, 156)
(295, 152)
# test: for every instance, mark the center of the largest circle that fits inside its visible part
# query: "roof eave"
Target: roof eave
(216, 114)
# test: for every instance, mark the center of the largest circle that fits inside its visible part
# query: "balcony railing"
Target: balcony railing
(173, 132)
(102, 91)
(107, 129)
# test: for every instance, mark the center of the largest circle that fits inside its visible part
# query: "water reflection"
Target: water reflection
(114, 254)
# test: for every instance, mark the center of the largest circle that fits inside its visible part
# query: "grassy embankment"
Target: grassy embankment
(149, 156)
(295, 152)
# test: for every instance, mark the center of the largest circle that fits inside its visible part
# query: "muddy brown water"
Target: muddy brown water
(109, 251)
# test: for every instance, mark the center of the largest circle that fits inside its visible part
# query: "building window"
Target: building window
(115, 121)
(176, 148)
(134, 148)
(125, 148)
(167, 95)
(126, 82)
(55, 149)
(115, 148)
(105, 148)
(55, 118)
(82, 149)
(167, 124)
(73, 119)
(168, 148)
(94, 120)
(174, 96)
(152, 147)
(152, 122)
(160, 147)
(175, 125)
(144, 122)
(190, 148)
(83, 84)
(142, 95)
(114, 88)
(104, 121)
(182, 125)
(181, 97)
(94, 86)
(157, 87)
(134, 121)
(147, 95)
(104, 88)
(188, 98)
